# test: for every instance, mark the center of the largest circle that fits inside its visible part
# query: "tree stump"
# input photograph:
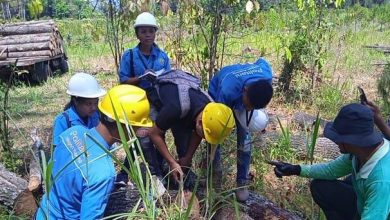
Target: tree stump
(11, 186)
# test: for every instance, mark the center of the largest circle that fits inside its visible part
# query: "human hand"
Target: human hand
(285, 169)
(185, 162)
(374, 108)
(176, 171)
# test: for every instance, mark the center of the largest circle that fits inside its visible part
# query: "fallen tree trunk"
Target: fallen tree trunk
(26, 38)
(39, 22)
(122, 200)
(29, 47)
(31, 53)
(11, 186)
(26, 29)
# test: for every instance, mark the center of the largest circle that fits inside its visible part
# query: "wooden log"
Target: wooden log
(18, 30)
(11, 185)
(3, 54)
(39, 22)
(27, 38)
(31, 53)
(122, 200)
(24, 61)
(29, 47)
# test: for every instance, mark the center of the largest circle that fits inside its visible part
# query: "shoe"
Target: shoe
(242, 193)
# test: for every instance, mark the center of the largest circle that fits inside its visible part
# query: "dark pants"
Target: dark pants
(182, 136)
(336, 198)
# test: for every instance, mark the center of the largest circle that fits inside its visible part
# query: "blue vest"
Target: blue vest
(83, 177)
(227, 85)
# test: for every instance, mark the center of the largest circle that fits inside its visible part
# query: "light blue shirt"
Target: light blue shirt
(61, 122)
(81, 186)
(227, 85)
(157, 61)
(371, 183)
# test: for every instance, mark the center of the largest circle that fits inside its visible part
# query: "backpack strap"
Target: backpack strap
(132, 73)
(66, 115)
(184, 82)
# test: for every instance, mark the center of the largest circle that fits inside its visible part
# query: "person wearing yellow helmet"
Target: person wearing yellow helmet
(81, 162)
(191, 115)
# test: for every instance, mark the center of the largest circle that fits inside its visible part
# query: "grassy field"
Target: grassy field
(348, 64)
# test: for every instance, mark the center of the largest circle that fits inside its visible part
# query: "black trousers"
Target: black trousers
(336, 198)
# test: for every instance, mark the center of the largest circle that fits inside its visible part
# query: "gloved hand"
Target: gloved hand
(285, 169)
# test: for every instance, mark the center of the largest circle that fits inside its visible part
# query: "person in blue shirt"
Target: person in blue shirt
(242, 87)
(83, 173)
(365, 157)
(145, 56)
(84, 91)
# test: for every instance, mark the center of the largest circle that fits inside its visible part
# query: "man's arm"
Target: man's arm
(339, 167)
(193, 145)
(125, 75)
(157, 137)
(379, 121)
(60, 125)
(377, 203)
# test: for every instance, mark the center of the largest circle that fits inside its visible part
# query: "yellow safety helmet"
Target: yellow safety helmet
(217, 121)
(132, 100)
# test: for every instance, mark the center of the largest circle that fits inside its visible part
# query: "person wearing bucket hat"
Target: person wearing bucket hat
(365, 157)
(244, 88)
(83, 173)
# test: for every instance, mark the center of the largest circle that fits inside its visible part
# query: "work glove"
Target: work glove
(285, 169)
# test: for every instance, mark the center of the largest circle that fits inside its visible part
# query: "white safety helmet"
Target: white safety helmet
(145, 19)
(84, 85)
(258, 121)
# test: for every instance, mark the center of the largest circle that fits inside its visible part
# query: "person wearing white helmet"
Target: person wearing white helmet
(134, 63)
(145, 56)
(258, 122)
(84, 91)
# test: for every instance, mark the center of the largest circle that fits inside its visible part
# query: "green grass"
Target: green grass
(347, 64)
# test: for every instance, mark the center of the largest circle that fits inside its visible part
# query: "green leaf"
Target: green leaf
(288, 54)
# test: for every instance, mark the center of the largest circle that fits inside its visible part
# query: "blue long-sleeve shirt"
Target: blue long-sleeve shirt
(157, 61)
(81, 189)
(61, 122)
(371, 182)
(228, 84)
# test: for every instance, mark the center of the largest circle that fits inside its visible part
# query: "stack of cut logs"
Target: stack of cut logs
(30, 40)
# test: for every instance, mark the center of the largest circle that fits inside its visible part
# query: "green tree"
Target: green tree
(35, 8)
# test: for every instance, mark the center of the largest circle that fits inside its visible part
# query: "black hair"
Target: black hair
(259, 93)
(72, 101)
(106, 121)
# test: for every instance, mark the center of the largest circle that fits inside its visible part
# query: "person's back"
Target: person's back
(228, 84)
(372, 183)
(89, 177)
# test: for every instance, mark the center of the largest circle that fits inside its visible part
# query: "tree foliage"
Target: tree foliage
(35, 8)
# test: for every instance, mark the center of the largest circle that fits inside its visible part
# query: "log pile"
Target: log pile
(31, 40)
(382, 48)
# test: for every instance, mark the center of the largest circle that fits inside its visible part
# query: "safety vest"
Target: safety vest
(184, 82)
